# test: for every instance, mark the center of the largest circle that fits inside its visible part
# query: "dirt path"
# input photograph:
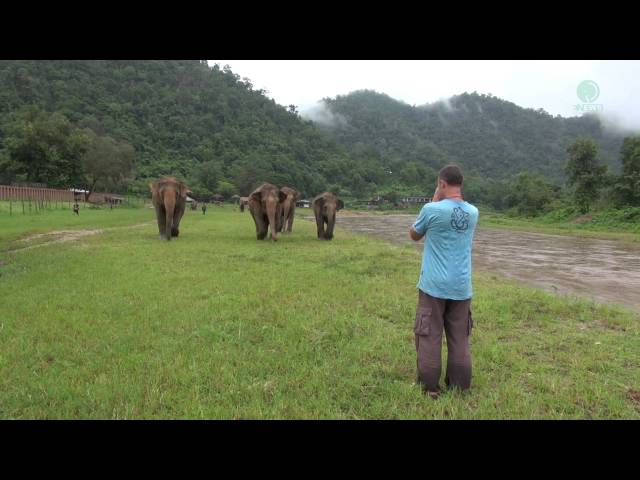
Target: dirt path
(61, 236)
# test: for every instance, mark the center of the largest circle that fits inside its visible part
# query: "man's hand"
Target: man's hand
(437, 195)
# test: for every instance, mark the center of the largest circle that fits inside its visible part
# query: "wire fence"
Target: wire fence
(28, 200)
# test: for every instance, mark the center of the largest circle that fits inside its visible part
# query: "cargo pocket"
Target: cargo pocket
(423, 321)
(469, 324)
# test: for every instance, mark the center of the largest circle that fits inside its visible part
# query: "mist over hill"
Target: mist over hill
(486, 135)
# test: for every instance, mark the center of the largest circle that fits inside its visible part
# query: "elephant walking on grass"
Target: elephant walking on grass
(244, 201)
(325, 207)
(288, 208)
(169, 197)
(265, 205)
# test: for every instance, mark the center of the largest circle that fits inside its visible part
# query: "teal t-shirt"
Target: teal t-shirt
(446, 262)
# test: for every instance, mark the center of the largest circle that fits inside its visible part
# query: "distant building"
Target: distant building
(375, 200)
(114, 199)
(416, 199)
(303, 203)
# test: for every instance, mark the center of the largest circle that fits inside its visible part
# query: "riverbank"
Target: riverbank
(605, 225)
(216, 324)
(612, 225)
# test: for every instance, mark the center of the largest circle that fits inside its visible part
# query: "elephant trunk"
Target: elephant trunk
(285, 214)
(272, 212)
(169, 206)
(331, 221)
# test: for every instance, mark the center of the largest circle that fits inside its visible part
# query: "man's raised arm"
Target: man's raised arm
(415, 236)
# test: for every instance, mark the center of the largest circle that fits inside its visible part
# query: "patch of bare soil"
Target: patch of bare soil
(61, 236)
(634, 396)
(56, 236)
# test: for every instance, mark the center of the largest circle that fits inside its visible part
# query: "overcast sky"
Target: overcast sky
(551, 85)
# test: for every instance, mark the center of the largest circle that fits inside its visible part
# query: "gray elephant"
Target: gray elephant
(288, 208)
(265, 205)
(169, 196)
(325, 207)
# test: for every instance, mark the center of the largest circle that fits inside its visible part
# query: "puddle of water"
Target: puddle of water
(603, 270)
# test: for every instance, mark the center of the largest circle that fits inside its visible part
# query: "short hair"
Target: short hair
(452, 174)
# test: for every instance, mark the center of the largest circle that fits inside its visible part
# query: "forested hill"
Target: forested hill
(211, 127)
(485, 134)
(181, 117)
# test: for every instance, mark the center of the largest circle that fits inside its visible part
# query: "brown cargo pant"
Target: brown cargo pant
(432, 315)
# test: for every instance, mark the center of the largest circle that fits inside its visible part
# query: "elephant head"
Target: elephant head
(169, 197)
(288, 208)
(265, 204)
(325, 207)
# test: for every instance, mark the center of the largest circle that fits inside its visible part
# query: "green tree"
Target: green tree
(105, 161)
(627, 185)
(226, 189)
(584, 173)
(44, 147)
(207, 176)
(528, 193)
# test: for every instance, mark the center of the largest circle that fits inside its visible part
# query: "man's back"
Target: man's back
(449, 226)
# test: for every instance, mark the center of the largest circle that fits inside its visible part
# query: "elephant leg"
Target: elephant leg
(328, 234)
(160, 215)
(290, 222)
(320, 226)
(261, 225)
(264, 228)
(175, 230)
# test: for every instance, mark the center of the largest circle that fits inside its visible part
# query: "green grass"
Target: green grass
(17, 225)
(216, 324)
(612, 224)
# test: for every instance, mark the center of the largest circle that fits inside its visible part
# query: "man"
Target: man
(76, 208)
(204, 208)
(444, 295)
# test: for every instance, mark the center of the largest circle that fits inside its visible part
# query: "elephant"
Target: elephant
(288, 208)
(265, 205)
(169, 197)
(325, 207)
(242, 202)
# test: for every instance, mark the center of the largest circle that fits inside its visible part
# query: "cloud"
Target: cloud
(320, 113)
(618, 124)
(442, 104)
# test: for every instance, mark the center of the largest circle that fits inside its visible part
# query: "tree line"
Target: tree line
(117, 125)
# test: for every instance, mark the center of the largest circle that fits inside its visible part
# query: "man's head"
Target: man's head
(451, 175)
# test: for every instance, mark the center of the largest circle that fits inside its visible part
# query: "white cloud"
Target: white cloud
(550, 85)
(319, 113)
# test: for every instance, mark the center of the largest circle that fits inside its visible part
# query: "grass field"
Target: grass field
(216, 324)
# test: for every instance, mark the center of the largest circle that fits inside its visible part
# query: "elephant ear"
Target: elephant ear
(256, 196)
(282, 196)
(152, 188)
(319, 202)
(184, 190)
(340, 205)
